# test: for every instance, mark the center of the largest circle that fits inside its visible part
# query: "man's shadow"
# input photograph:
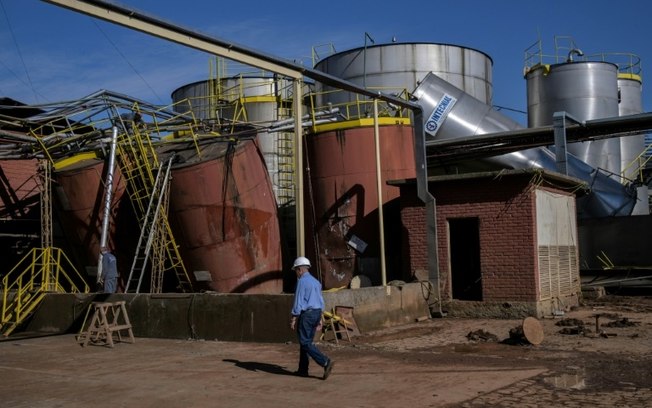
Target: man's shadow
(256, 366)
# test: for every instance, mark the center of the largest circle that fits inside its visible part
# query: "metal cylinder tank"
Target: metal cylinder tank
(343, 198)
(254, 100)
(397, 67)
(585, 90)
(224, 216)
(79, 194)
(630, 89)
(450, 113)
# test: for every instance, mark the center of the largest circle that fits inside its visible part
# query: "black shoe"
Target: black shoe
(328, 368)
(301, 374)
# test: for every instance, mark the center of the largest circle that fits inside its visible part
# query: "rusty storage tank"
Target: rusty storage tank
(344, 200)
(630, 89)
(585, 90)
(398, 67)
(254, 99)
(224, 215)
(78, 194)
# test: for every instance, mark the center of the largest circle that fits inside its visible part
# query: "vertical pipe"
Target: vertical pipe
(108, 196)
(431, 209)
(298, 169)
(379, 186)
(559, 121)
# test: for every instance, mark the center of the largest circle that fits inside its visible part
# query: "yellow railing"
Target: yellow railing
(41, 271)
(634, 170)
(566, 50)
(356, 106)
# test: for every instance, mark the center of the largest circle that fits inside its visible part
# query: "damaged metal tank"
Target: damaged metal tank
(78, 193)
(451, 113)
(344, 199)
(224, 216)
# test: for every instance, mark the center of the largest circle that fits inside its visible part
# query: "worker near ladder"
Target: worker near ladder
(109, 271)
(306, 316)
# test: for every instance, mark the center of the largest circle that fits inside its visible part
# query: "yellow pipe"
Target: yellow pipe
(379, 186)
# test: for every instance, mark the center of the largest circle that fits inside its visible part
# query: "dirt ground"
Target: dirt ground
(432, 363)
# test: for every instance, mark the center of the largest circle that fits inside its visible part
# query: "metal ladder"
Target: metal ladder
(149, 229)
(137, 158)
(285, 154)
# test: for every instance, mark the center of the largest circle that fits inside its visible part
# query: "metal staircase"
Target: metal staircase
(41, 271)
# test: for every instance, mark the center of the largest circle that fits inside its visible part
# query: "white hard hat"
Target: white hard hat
(301, 261)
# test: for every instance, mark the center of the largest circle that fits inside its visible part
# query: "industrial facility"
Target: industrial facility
(385, 164)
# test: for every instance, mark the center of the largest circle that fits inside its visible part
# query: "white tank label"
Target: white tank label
(439, 114)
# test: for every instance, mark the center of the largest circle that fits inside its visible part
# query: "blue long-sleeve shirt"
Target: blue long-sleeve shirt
(307, 295)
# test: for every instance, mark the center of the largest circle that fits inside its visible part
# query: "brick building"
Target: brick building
(507, 241)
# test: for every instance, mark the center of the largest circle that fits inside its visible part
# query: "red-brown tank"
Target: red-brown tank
(224, 216)
(342, 173)
(79, 194)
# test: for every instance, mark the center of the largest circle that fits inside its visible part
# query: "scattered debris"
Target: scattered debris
(530, 332)
(624, 322)
(570, 322)
(481, 335)
(577, 330)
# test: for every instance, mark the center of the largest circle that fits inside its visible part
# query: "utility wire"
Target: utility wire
(20, 55)
(127, 61)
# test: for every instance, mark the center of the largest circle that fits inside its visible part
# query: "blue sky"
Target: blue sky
(50, 54)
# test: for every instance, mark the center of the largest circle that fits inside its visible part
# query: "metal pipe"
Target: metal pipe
(379, 186)
(364, 59)
(108, 196)
(575, 51)
(298, 170)
(431, 209)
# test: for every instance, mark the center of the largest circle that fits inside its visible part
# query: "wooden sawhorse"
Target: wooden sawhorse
(108, 318)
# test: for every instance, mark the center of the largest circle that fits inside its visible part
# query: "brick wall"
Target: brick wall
(505, 208)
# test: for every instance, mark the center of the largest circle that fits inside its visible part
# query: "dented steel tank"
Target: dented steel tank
(78, 192)
(344, 199)
(224, 216)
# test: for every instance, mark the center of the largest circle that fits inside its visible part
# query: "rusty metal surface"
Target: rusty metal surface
(78, 199)
(225, 218)
(344, 196)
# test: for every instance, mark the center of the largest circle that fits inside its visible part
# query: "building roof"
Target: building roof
(558, 178)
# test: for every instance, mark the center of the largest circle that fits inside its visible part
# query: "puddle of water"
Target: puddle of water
(567, 381)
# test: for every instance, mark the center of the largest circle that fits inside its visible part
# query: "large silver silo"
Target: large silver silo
(450, 113)
(630, 87)
(254, 100)
(585, 90)
(397, 67)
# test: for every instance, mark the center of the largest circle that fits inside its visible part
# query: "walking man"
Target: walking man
(306, 316)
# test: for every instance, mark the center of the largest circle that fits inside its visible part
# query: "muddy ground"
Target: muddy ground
(433, 363)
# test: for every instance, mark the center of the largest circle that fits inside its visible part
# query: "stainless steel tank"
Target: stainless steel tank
(630, 88)
(392, 68)
(251, 99)
(450, 113)
(585, 90)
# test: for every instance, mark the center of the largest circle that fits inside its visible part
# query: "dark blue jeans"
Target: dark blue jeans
(307, 325)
